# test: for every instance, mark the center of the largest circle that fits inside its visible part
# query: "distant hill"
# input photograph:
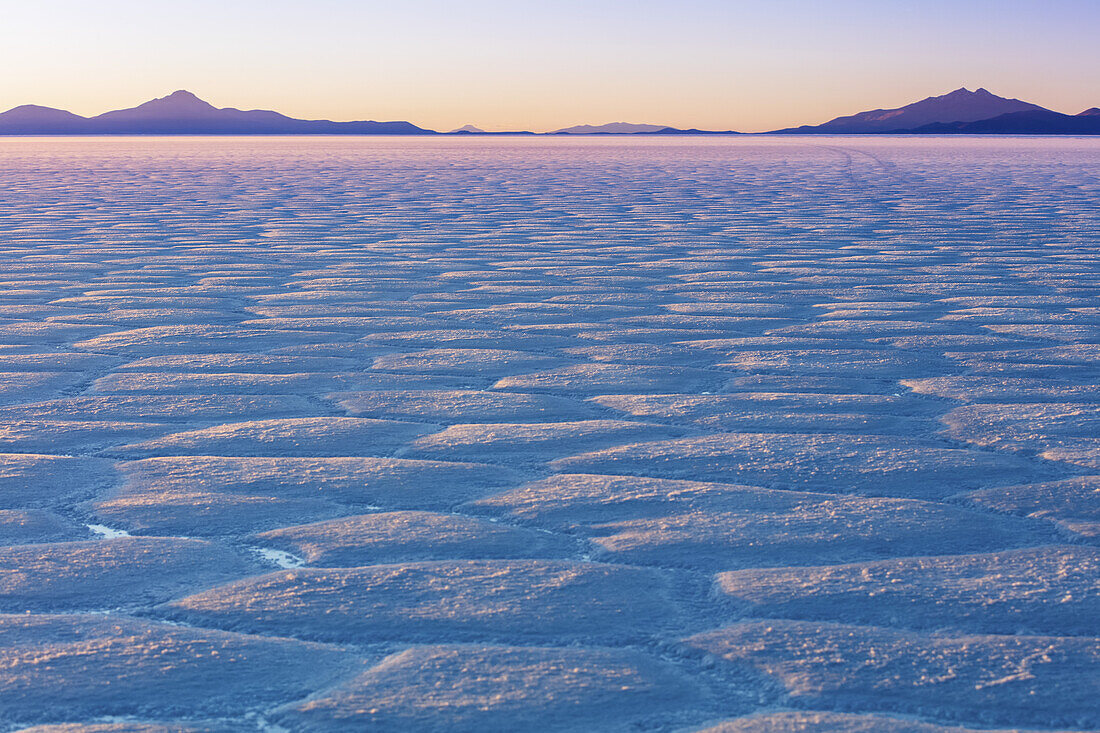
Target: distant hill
(628, 128)
(30, 119)
(961, 105)
(689, 131)
(611, 128)
(471, 130)
(182, 113)
(1042, 122)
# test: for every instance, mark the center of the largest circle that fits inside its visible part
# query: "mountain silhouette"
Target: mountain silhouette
(31, 119)
(1035, 122)
(689, 131)
(177, 105)
(629, 128)
(182, 113)
(611, 128)
(961, 105)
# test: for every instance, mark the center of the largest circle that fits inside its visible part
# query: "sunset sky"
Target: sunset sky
(747, 65)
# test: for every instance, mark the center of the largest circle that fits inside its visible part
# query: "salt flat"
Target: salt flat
(725, 434)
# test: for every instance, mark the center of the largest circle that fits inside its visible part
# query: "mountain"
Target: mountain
(628, 128)
(689, 131)
(1042, 122)
(182, 113)
(961, 105)
(30, 119)
(611, 128)
(471, 130)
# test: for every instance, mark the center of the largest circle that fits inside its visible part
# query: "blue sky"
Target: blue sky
(747, 65)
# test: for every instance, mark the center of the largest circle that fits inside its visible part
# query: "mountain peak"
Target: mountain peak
(179, 99)
(181, 95)
(179, 105)
(33, 108)
(964, 93)
(960, 105)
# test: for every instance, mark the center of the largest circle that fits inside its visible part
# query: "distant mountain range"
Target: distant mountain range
(182, 113)
(611, 128)
(961, 105)
(631, 128)
(1030, 122)
(960, 112)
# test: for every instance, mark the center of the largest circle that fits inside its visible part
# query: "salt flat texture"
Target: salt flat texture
(760, 434)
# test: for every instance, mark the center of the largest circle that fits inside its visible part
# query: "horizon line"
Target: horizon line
(468, 129)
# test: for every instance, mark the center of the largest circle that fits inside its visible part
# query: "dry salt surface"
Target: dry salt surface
(756, 434)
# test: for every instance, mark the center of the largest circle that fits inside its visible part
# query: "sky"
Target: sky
(747, 65)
